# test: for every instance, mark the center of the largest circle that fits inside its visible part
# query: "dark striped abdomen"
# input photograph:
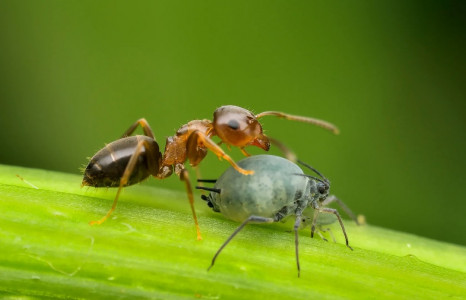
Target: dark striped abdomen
(108, 165)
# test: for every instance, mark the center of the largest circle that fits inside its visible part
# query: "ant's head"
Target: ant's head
(239, 127)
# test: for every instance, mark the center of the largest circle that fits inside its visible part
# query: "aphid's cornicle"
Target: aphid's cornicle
(279, 188)
(131, 159)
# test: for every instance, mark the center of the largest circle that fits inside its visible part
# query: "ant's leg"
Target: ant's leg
(290, 155)
(184, 176)
(198, 175)
(124, 179)
(333, 198)
(335, 212)
(212, 146)
(320, 123)
(200, 182)
(245, 153)
(256, 219)
(145, 127)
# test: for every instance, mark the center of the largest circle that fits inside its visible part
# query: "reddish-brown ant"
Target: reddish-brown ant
(131, 159)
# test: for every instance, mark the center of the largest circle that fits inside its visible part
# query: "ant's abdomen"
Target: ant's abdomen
(107, 166)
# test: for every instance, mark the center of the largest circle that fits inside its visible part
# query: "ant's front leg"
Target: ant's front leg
(145, 127)
(198, 141)
(290, 155)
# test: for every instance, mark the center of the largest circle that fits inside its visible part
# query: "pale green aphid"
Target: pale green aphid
(277, 189)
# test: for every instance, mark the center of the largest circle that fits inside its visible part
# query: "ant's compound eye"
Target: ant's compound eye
(233, 124)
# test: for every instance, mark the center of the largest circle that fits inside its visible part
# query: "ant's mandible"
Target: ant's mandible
(131, 159)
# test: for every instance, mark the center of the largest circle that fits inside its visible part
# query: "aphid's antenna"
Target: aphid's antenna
(208, 189)
(311, 168)
(207, 180)
(310, 176)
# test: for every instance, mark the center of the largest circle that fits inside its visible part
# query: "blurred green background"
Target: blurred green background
(391, 74)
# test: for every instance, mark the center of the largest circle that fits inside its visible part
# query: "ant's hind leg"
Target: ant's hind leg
(145, 127)
(124, 179)
(184, 176)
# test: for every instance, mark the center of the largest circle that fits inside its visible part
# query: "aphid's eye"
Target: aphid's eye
(322, 188)
(233, 124)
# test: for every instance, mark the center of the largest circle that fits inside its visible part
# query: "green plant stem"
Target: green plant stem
(148, 249)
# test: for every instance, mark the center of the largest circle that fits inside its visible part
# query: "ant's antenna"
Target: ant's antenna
(311, 168)
(208, 189)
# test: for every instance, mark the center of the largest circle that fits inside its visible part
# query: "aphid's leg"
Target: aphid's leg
(145, 127)
(287, 152)
(335, 212)
(212, 146)
(314, 221)
(321, 235)
(320, 123)
(124, 179)
(333, 198)
(296, 243)
(256, 219)
(329, 232)
(184, 176)
(27, 182)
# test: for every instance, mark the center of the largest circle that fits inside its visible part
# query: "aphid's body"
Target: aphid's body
(130, 160)
(274, 191)
(278, 189)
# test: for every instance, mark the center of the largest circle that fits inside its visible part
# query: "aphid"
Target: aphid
(131, 159)
(278, 189)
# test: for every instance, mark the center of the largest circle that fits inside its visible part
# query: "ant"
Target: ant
(131, 159)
